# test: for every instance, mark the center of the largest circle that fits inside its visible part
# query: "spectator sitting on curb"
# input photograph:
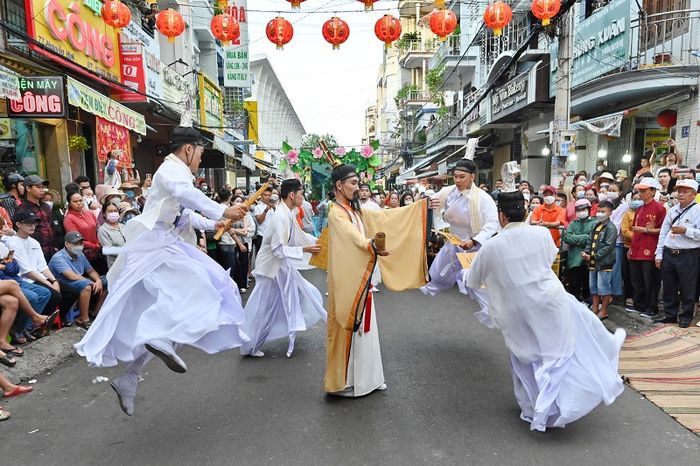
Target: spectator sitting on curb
(71, 267)
(9, 390)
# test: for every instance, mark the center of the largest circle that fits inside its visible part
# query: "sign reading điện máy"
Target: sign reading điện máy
(74, 30)
(40, 97)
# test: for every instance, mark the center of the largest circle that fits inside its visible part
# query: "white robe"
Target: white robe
(369, 204)
(283, 302)
(564, 361)
(161, 286)
(456, 207)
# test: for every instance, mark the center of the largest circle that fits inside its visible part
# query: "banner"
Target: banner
(236, 61)
(112, 137)
(657, 138)
(133, 74)
(79, 95)
(40, 97)
(150, 50)
(9, 85)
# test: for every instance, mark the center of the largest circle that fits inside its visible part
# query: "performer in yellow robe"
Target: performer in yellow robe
(354, 362)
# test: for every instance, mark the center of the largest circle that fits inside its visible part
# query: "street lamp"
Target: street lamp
(545, 151)
(627, 158)
(602, 153)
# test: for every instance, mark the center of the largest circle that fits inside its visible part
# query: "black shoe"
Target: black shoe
(683, 324)
(664, 319)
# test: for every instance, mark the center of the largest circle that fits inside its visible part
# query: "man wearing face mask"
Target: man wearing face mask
(600, 255)
(77, 279)
(550, 215)
(164, 292)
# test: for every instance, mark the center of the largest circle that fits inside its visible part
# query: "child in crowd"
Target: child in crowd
(600, 254)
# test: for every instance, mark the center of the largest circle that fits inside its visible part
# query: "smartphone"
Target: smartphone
(148, 176)
(10, 256)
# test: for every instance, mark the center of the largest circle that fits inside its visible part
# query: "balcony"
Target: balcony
(414, 98)
(448, 50)
(440, 129)
(412, 53)
(203, 12)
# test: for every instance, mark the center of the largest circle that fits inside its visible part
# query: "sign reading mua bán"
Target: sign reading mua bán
(75, 31)
(40, 97)
(236, 61)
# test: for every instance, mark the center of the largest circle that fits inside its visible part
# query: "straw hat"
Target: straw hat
(110, 191)
(130, 187)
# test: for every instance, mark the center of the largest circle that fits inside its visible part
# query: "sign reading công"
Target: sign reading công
(74, 30)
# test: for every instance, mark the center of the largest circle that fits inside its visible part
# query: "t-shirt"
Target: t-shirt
(259, 209)
(28, 255)
(63, 262)
(551, 213)
(643, 245)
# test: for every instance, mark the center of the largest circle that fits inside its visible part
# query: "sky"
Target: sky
(329, 89)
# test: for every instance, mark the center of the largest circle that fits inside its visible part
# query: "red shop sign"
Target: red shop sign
(40, 97)
(133, 73)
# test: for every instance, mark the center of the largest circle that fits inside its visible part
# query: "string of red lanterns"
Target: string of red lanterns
(443, 23)
(387, 29)
(497, 16)
(170, 23)
(545, 10)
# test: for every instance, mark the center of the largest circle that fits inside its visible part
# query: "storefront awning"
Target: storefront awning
(248, 162)
(224, 147)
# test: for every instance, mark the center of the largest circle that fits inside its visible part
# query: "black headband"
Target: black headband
(342, 173)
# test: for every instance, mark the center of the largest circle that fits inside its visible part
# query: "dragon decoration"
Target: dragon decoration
(300, 161)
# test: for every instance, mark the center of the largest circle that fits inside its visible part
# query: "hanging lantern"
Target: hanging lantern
(296, 4)
(497, 16)
(443, 23)
(667, 118)
(335, 31)
(545, 10)
(225, 28)
(369, 4)
(170, 23)
(116, 14)
(279, 31)
(387, 29)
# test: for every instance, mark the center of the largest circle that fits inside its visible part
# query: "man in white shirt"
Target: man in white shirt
(30, 258)
(366, 201)
(260, 213)
(678, 256)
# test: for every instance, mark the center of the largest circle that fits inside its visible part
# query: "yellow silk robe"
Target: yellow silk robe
(350, 265)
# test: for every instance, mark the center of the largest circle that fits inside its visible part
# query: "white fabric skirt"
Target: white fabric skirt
(556, 392)
(281, 307)
(169, 290)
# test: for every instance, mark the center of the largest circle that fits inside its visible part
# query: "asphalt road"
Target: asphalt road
(449, 401)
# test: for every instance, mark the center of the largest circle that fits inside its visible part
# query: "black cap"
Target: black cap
(73, 237)
(25, 216)
(465, 165)
(35, 180)
(187, 135)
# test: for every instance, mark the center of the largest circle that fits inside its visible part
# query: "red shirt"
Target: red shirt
(643, 245)
(86, 224)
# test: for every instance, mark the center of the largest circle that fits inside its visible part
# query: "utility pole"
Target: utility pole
(561, 138)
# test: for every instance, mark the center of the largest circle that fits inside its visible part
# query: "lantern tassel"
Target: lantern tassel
(171, 39)
(497, 32)
(545, 22)
(440, 4)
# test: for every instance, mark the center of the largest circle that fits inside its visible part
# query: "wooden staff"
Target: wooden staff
(249, 203)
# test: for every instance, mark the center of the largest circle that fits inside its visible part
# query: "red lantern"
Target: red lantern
(545, 10)
(335, 31)
(369, 4)
(115, 14)
(443, 23)
(296, 4)
(170, 23)
(667, 118)
(225, 28)
(388, 29)
(497, 16)
(279, 31)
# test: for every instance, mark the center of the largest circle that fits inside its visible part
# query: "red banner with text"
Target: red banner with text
(133, 73)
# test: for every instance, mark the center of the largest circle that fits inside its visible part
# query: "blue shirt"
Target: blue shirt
(63, 262)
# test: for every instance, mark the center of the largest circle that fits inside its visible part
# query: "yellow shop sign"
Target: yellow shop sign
(74, 30)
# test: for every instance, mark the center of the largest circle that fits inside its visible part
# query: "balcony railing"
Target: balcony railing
(417, 47)
(448, 49)
(665, 39)
(415, 98)
(442, 126)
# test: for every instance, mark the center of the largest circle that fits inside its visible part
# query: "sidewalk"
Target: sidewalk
(44, 354)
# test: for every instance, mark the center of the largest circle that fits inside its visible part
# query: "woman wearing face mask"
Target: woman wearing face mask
(77, 219)
(626, 230)
(577, 192)
(90, 201)
(535, 201)
(243, 234)
(406, 199)
(592, 195)
(110, 233)
(576, 235)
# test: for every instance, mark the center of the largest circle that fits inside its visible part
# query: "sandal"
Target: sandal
(13, 350)
(83, 324)
(18, 390)
(7, 360)
(45, 328)
(4, 415)
(28, 335)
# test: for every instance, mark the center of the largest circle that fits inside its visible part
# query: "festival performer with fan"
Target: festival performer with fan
(163, 292)
(472, 216)
(354, 361)
(563, 360)
(283, 303)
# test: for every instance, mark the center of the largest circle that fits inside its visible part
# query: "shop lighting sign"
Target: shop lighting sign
(72, 32)
(40, 97)
(601, 44)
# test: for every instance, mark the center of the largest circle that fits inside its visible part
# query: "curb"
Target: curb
(632, 322)
(44, 354)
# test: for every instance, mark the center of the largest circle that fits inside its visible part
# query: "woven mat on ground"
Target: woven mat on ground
(664, 365)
